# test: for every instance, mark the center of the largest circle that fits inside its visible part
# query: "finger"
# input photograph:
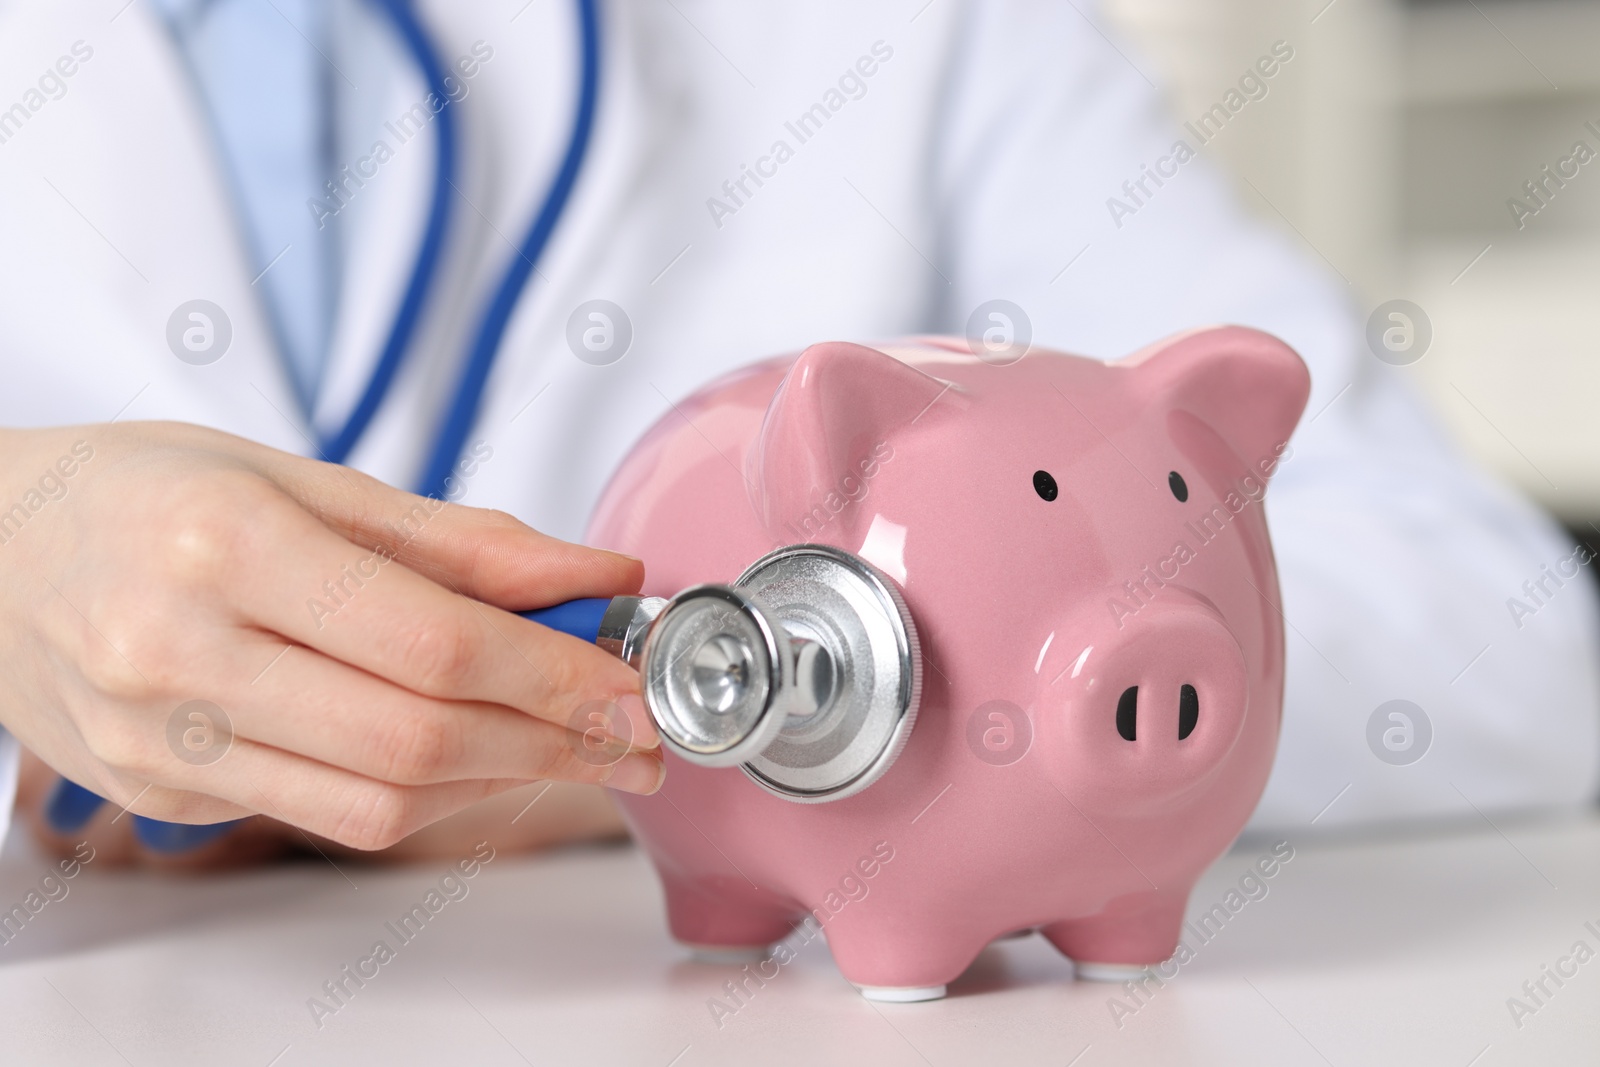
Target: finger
(319, 707)
(486, 555)
(316, 589)
(532, 817)
(331, 802)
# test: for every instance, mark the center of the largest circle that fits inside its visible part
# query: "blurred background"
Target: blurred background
(1393, 148)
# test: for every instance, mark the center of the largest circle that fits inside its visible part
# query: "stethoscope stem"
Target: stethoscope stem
(617, 624)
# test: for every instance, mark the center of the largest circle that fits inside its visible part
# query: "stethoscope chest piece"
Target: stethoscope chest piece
(805, 672)
(715, 668)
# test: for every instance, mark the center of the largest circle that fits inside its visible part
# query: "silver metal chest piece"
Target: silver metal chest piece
(805, 672)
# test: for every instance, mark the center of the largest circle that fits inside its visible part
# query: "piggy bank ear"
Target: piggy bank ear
(1247, 385)
(825, 433)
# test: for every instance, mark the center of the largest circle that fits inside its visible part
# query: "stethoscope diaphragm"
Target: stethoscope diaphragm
(858, 672)
(716, 670)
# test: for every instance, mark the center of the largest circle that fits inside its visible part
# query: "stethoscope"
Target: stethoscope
(805, 672)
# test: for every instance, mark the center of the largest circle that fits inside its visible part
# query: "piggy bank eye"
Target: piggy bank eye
(1044, 485)
(1179, 487)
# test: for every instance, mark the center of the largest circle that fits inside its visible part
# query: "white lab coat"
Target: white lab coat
(977, 164)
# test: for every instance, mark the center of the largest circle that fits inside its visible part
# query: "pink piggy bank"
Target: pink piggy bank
(1083, 550)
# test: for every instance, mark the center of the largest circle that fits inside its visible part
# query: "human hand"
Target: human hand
(357, 638)
(527, 819)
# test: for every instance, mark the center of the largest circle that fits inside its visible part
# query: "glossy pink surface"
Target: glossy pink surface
(924, 464)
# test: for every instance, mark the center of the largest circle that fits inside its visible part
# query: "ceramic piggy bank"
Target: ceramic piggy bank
(1083, 550)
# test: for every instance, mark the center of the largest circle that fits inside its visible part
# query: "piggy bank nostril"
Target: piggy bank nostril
(1188, 711)
(1128, 713)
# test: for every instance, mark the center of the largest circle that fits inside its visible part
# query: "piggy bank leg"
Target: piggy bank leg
(898, 962)
(723, 929)
(1133, 933)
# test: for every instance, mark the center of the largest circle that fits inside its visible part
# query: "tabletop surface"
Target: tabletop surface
(1404, 949)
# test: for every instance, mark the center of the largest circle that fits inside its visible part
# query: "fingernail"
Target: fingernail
(637, 773)
(175, 837)
(644, 727)
(70, 807)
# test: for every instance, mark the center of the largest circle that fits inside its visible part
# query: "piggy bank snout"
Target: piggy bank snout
(1141, 714)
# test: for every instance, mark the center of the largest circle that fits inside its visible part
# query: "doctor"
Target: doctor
(227, 259)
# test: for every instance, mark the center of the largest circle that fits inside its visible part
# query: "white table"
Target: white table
(1401, 950)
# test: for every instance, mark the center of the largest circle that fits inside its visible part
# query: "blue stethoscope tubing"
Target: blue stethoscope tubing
(463, 409)
(71, 806)
(463, 412)
(337, 448)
